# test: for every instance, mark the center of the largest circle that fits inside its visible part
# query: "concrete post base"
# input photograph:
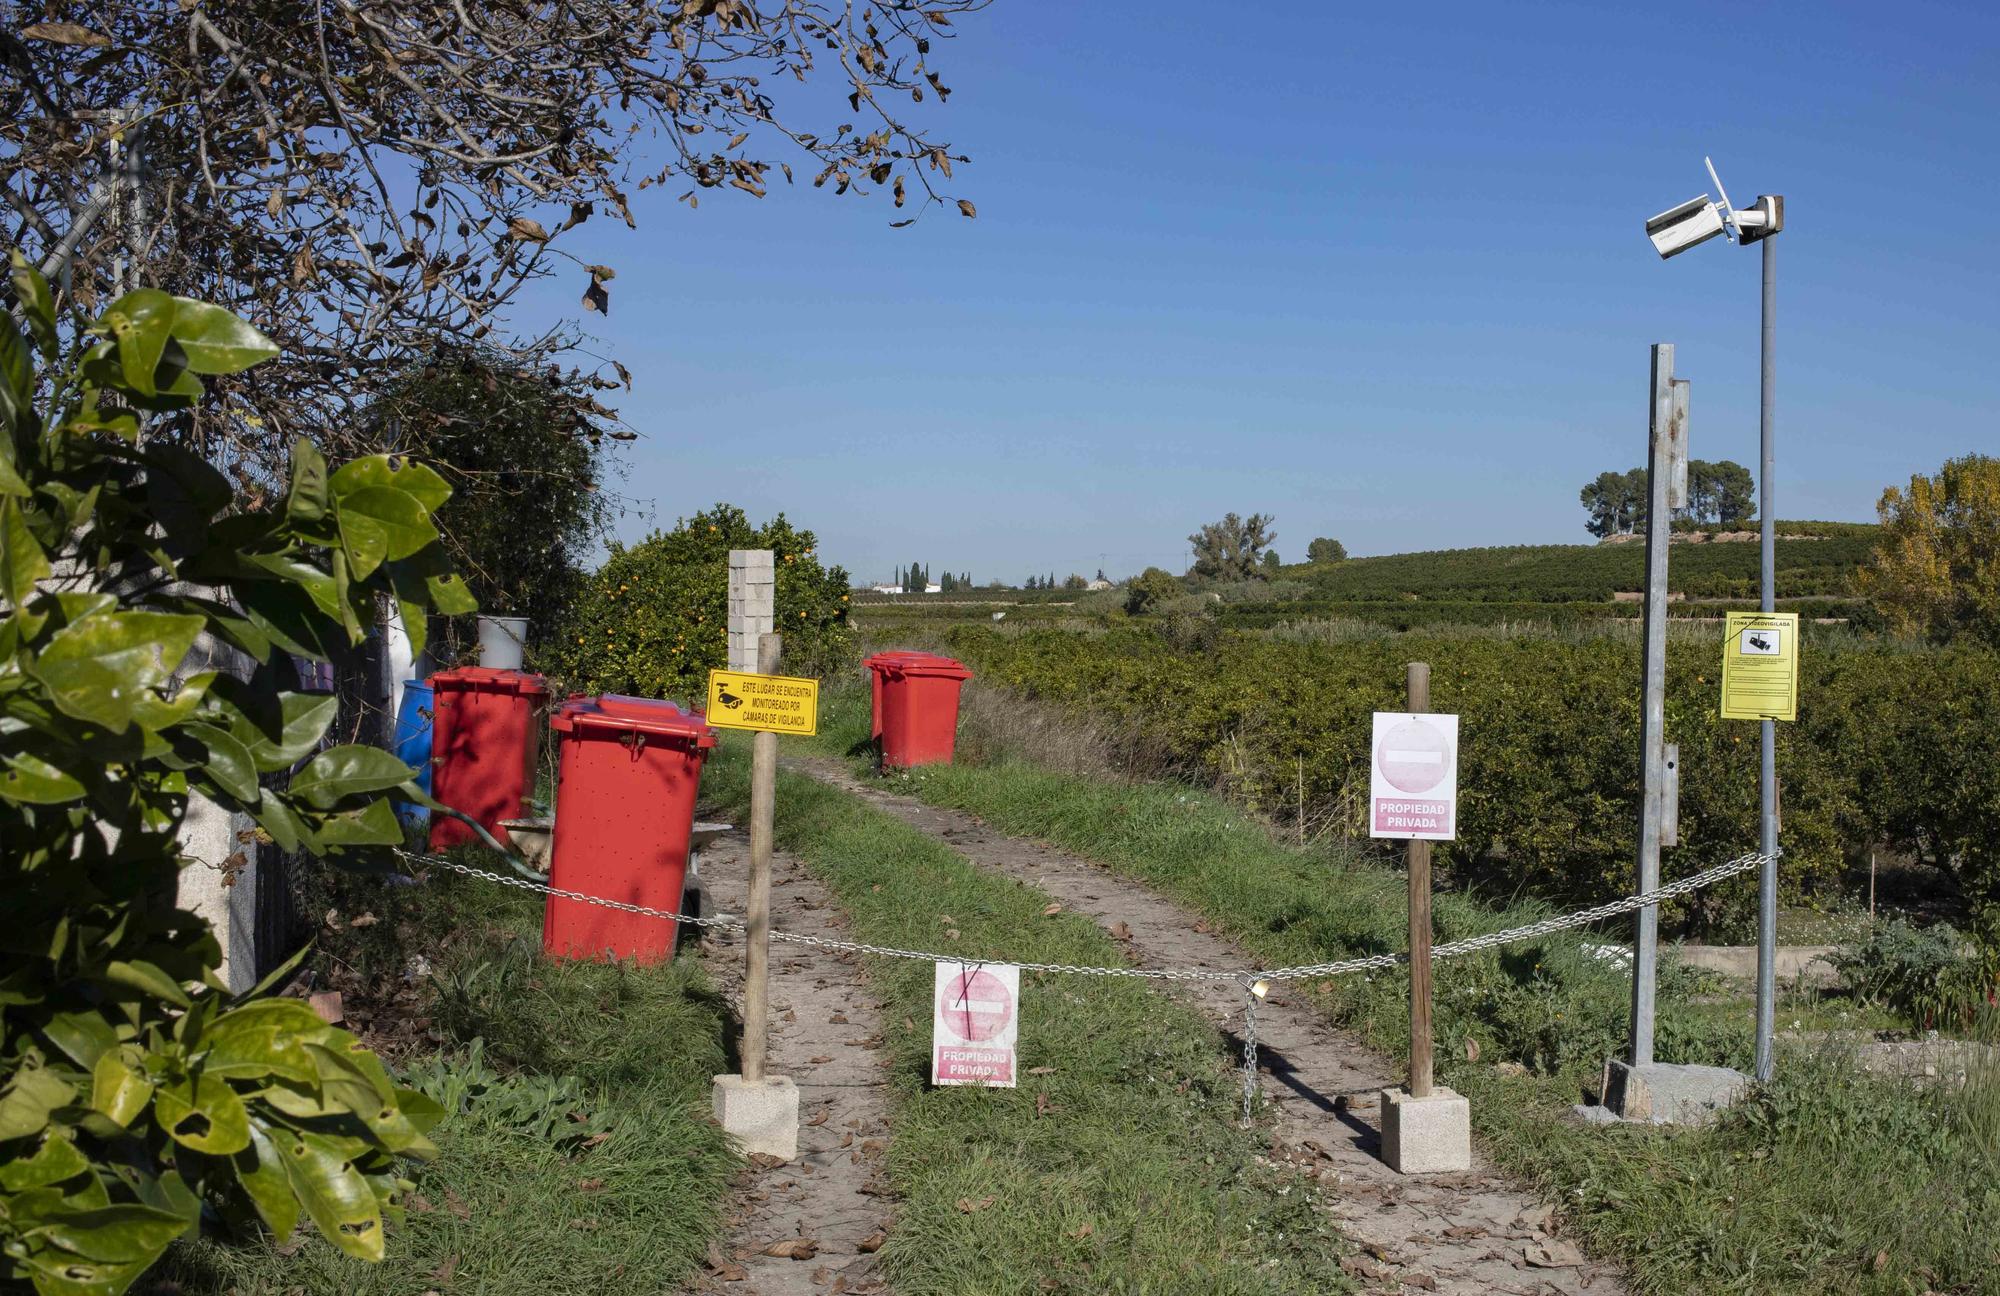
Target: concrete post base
(1666, 1093)
(763, 1116)
(1429, 1135)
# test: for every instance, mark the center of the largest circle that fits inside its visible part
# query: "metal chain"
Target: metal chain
(1249, 1047)
(1373, 962)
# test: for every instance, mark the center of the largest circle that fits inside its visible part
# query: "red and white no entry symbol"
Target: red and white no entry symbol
(1414, 757)
(975, 1006)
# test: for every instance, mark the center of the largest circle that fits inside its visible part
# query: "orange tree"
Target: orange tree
(135, 1092)
(654, 619)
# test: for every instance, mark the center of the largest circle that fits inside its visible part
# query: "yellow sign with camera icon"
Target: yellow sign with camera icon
(775, 703)
(1760, 666)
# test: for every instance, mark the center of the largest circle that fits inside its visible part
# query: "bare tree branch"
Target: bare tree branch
(363, 177)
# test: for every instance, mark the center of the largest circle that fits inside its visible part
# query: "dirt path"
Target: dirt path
(826, 1034)
(1468, 1234)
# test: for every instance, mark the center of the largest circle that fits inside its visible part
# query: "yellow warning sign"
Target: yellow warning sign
(779, 703)
(1760, 666)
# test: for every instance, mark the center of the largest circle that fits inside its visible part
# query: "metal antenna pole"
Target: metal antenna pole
(1767, 890)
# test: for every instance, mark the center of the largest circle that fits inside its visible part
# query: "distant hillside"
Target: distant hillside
(1818, 563)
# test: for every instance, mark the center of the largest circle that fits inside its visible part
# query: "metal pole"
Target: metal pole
(1767, 889)
(757, 918)
(1661, 430)
(1421, 1065)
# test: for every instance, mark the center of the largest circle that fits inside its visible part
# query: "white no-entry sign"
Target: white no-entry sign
(975, 1020)
(1413, 777)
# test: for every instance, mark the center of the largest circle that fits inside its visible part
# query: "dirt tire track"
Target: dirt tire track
(826, 1034)
(1464, 1235)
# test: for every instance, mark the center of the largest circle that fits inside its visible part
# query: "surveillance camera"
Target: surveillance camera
(1693, 222)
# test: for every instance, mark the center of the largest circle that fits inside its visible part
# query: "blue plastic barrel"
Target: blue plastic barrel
(413, 745)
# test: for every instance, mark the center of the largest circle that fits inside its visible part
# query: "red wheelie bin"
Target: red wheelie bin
(483, 746)
(878, 669)
(920, 710)
(625, 793)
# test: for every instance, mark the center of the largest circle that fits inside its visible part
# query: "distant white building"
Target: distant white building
(885, 589)
(1098, 585)
(933, 589)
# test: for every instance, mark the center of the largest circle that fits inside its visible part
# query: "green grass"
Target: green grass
(1118, 1169)
(525, 1200)
(1805, 1189)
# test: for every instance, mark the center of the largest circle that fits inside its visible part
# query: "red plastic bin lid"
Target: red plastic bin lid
(931, 666)
(616, 713)
(466, 677)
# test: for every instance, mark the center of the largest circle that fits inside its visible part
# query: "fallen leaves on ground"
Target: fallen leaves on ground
(723, 1267)
(1363, 1267)
(872, 1243)
(794, 1249)
(1552, 1254)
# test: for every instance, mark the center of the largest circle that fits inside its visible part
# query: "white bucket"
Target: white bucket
(501, 640)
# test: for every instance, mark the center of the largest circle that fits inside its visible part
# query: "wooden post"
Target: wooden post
(757, 920)
(1302, 800)
(1420, 923)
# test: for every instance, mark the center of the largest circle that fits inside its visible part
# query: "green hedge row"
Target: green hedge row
(1818, 567)
(1895, 747)
(1404, 614)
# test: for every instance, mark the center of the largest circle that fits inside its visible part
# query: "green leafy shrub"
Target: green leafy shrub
(554, 1109)
(654, 619)
(1149, 589)
(1923, 973)
(133, 1090)
(522, 450)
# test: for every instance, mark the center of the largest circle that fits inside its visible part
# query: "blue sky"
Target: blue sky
(1380, 271)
